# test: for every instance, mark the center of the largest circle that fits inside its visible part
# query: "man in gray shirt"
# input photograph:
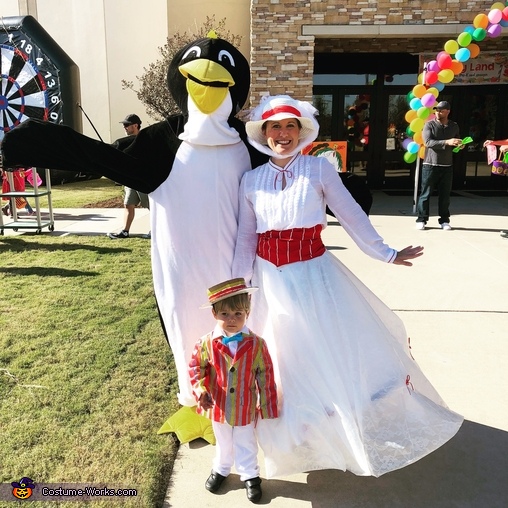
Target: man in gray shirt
(440, 137)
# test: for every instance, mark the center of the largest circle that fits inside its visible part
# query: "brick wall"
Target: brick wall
(282, 59)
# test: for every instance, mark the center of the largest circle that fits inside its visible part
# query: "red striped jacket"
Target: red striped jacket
(241, 385)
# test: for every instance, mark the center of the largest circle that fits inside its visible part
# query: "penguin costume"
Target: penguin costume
(190, 165)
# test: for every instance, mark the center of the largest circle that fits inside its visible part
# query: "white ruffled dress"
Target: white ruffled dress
(351, 395)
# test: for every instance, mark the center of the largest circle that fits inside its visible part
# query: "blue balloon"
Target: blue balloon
(463, 55)
(469, 29)
(439, 86)
(415, 103)
(413, 147)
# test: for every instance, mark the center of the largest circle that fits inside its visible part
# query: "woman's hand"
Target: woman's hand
(408, 253)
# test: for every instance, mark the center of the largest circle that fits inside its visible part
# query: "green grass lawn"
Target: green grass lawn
(80, 194)
(86, 376)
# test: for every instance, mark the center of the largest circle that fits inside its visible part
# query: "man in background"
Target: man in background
(440, 136)
(132, 198)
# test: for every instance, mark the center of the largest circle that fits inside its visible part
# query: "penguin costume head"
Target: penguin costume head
(205, 70)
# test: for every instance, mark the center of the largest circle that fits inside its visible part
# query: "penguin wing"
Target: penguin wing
(144, 165)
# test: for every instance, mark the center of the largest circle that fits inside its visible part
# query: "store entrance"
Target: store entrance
(368, 111)
(372, 122)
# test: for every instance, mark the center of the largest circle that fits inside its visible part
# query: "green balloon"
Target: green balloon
(479, 34)
(409, 132)
(410, 157)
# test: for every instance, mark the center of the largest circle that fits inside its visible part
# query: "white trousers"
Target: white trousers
(236, 446)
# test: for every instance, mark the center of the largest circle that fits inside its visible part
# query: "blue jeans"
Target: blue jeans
(440, 177)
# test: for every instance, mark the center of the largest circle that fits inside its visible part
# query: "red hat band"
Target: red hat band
(281, 109)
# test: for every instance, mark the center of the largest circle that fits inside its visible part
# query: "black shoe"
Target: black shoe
(253, 487)
(504, 234)
(214, 482)
(122, 234)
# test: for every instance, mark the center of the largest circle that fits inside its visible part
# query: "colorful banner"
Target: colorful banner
(489, 68)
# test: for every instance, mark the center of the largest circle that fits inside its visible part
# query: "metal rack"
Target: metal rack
(37, 223)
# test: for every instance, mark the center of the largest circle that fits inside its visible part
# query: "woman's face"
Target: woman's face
(282, 135)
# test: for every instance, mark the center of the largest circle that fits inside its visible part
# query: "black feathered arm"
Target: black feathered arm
(42, 144)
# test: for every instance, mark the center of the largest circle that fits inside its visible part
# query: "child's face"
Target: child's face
(231, 321)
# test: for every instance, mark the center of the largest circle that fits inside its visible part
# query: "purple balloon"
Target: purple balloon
(433, 66)
(494, 31)
(428, 100)
(406, 142)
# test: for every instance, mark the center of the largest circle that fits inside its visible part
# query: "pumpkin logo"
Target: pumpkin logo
(23, 489)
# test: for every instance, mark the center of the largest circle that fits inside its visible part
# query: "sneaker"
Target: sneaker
(504, 234)
(446, 226)
(420, 225)
(148, 236)
(122, 234)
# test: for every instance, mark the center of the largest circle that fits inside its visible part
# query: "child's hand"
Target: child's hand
(205, 401)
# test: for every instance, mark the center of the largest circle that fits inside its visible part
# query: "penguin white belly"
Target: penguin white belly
(194, 220)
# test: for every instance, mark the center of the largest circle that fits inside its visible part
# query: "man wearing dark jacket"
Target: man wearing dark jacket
(440, 137)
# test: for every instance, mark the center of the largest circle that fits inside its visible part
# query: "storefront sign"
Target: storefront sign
(488, 68)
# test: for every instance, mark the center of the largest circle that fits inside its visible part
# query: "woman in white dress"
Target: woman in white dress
(352, 397)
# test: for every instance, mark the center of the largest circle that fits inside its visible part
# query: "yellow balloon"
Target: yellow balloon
(451, 47)
(419, 91)
(417, 125)
(433, 91)
(498, 5)
(418, 138)
(420, 78)
(445, 75)
(421, 152)
(410, 115)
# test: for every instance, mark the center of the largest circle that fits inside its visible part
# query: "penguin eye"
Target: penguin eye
(224, 56)
(194, 52)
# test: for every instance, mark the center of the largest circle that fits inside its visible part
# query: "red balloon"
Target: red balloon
(444, 61)
(431, 77)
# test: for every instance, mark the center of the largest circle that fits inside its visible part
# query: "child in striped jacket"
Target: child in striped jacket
(232, 378)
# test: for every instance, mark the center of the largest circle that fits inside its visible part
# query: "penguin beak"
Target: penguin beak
(207, 83)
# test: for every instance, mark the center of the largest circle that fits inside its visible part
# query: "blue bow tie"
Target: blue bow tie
(226, 340)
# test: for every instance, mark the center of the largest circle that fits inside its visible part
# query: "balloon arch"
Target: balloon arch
(442, 70)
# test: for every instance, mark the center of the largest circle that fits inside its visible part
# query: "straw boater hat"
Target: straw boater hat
(281, 107)
(227, 289)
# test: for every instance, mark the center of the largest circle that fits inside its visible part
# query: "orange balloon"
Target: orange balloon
(457, 67)
(410, 115)
(418, 137)
(421, 152)
(481, 21)
(474, 49)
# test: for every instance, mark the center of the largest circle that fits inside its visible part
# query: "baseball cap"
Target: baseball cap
(131, 119)
(442, 105)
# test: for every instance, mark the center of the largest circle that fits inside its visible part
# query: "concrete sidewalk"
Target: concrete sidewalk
(454, 303)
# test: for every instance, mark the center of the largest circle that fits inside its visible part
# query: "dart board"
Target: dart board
(37, 79)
